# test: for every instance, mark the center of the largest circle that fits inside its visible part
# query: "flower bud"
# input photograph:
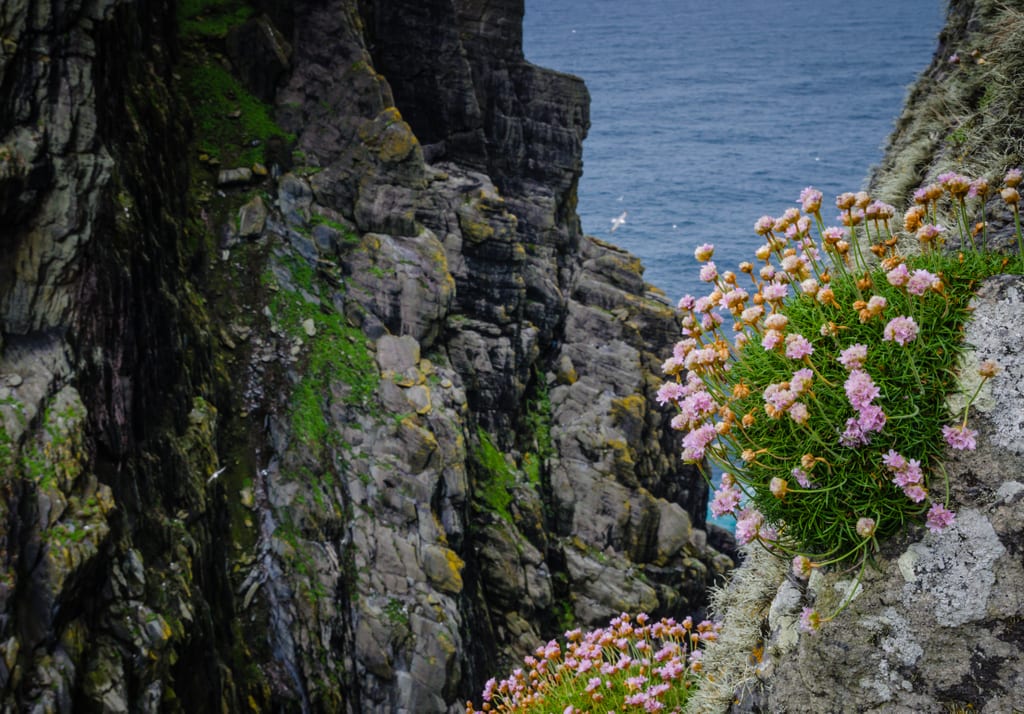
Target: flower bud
(866, 527)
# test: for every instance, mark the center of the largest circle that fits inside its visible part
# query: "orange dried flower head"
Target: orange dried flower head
(989, 369)
(845, 201)
(778, 487)
(826, 296)
(1010, 195)
(913, 218)
(892, 262)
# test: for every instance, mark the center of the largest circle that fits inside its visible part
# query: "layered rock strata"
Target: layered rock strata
(347, 426)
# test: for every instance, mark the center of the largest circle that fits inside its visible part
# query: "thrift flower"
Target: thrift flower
(695, 442)
(914, 218)
(960, 437)
(708, 272)
(989, 369)
(704, 252)
(801, 381)
(670, 392)
(725, 501)
(860, 389)
(894, 461)
(1013, 177)
(854, 435)
(771, 339)
(915, 492)
(833, 234)
(810, 620)
(763, 225)
(775, 292)
(871, 418)
(921, 281)
(799, 413)
(866, 527)
(748, 525)
(778, 487)
(898, 276)
(801, 477)
(810, 200)
(853, 356)
(802, 567)
(797, 347)
(900, 330)
(927, 233)
(939, 518)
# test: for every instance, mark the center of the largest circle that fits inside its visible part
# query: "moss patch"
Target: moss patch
(337, 354)
(228, 119)
(211, 18)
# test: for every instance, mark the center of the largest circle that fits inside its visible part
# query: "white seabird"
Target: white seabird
(616, 222)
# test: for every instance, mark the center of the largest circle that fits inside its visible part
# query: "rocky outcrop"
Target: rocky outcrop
(936, 625)
(315, 398)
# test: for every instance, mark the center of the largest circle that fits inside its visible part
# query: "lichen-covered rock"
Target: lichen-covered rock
(936, 624)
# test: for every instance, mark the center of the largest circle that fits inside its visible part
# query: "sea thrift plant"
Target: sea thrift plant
(818, 382)
(632, 665)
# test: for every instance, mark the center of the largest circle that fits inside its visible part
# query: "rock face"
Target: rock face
(937, 626)
(351, 432)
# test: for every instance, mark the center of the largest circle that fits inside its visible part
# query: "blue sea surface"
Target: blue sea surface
(707, 115)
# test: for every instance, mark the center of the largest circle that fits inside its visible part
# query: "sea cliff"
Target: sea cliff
(315, 396)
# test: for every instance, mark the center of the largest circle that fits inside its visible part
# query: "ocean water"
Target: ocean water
(708, 114)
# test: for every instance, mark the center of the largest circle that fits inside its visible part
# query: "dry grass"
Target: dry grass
(966, 117)
(742, 605)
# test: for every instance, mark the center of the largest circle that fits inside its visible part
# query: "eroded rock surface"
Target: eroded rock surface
(349, 426)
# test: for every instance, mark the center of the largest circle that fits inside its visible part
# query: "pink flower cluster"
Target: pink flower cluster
(861, 390)
(917, 283)
(781, 397)
(907, 475)
(960, 437)
(751, 526)
(642, 660)
(939, 518)
(901, 330)
(727, 497)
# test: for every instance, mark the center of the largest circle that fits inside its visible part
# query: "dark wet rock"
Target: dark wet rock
(358, 461)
